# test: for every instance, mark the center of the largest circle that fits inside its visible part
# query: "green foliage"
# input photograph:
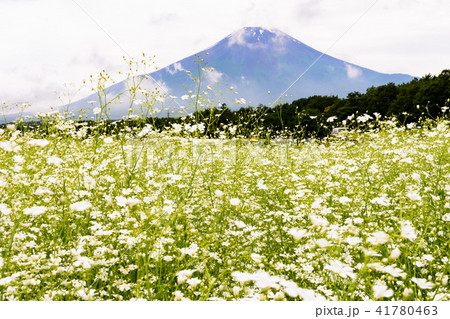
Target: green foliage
(191, 208)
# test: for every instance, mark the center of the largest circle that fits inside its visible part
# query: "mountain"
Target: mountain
(253, 61)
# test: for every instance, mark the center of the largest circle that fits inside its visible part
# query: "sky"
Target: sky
(48, 47)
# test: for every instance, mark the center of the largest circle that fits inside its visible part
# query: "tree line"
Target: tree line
(426, 97)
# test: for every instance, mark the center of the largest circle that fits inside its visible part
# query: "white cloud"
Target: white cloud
(280, 41)
(237, 37)
(353, 72)
(174, 68)
(214, 76)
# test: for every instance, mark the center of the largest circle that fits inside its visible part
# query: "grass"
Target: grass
(141, 214)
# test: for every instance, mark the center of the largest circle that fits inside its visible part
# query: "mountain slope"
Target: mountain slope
(254, 61)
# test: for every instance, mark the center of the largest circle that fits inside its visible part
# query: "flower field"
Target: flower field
(141, 214)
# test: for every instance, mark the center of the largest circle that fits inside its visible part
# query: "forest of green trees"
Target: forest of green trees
(420, 98)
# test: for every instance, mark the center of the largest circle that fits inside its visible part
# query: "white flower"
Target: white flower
(193, 282)
(38, 142)
(242, 277)
(191, 250)
(408, 231)
(124, 286)
(353, 240)
(235, 201)
(19, 159)
(256, 258)
(331, 119)
(378, 238)
(9, 146)
(89, 182)
(183, 275)
(80, 206)
(341, 269)
(54, 160)
(84, 262)
(310, 295)
(407, 292)
(177, 128)
(344, 200)
(42, 191)
(261, 185)
(381, 291)
(446, 217)
(383, 201)
(96, 110)
(297, 233)
(4, 209)
(263, 280)
(5, 281)
(395, 253)
(185, 97)
(35, 210)
(240, 224)
(413, 195)
(108, 140)
(178, 295)
(318, 221)
(322, 243)
(135, 201)
(393, 271)
(422, 283)
(121, 201)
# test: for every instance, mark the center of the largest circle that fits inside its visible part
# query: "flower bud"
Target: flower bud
(395, 253)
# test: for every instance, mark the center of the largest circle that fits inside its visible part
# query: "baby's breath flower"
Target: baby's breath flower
(19, 159)
(343, 270)
(80, 206)
(240, 224)
(381, 291)
(298, 233)
(353, 240)
(378, 238)
(35, 210)
(108, 140)
(414, 196)
(235, 201)
(193, 282)
(395, 253)
(4, 209)
(408, 231)
(256, 258)
(422, 283)
(344, 200)
(54, 160)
